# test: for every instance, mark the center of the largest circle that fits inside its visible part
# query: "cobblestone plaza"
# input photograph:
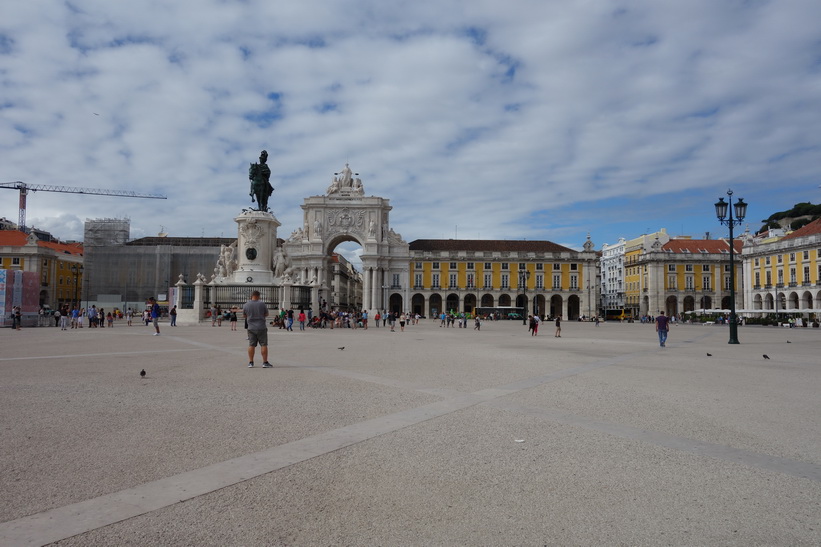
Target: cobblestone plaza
(431, 436)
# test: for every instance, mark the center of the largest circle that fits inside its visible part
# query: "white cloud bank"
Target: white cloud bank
(542, 119)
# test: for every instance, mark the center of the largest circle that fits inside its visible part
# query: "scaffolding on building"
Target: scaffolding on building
(100, 232)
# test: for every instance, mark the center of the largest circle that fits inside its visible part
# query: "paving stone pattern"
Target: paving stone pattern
(431, 436)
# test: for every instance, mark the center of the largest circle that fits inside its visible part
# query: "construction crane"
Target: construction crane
(25, 188)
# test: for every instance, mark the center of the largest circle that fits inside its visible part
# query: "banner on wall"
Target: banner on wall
(3, 311)
(19, 289)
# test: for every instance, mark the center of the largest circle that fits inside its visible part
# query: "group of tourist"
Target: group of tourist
(217, 316)
(341, 319)
(535, 320)
(75, 317)
(456, 320)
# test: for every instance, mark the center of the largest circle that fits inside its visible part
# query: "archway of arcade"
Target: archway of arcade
(346, 219)
(343, 274)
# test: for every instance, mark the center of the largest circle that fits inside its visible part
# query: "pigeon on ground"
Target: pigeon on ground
(342, 348)
(766, 356)
(709, 355)
(789, 342)
(142, 373)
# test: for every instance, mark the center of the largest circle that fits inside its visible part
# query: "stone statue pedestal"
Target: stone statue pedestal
(256, 242)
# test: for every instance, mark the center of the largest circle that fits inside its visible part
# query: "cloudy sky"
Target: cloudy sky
(540, 119)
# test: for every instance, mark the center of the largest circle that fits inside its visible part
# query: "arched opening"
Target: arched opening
(555, 305)
(689, 304)
(487, 300)
(504, 300)
(470, 303)
(453, 303)
(418, 304)
(725, 303)
(343, 276)
(757, 302)
(43, 298)
(573, 307)
(395, 303)
(793, 301)
(806, 300)
(435, 303)
(706, 303)
(671, 306)
(769, 302)
(538, 304)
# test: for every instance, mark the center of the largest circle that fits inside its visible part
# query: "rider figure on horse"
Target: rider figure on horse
(260, 174)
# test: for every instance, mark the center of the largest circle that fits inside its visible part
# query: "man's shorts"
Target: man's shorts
(258, 337)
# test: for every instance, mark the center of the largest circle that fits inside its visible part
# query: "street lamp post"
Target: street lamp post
(77, 270)
(523, 278)
(722, 211)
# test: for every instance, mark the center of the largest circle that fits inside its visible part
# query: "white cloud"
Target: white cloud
(506, 121)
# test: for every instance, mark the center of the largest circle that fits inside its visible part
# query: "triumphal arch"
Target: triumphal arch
(302, 270)
(345, 213)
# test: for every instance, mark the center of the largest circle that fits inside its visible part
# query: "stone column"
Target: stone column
(375, 289)
(366, 287)
(315, 298)
(198, 303)
(178, 296)
(285, 301)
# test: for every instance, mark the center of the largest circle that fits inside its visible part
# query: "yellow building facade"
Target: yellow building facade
(635, 269)
(783, 274)
(59, 265)
(539, 276)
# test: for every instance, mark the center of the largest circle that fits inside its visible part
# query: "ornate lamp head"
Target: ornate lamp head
(721, 209)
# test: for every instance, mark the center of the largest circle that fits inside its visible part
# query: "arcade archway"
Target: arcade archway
(671, 306)
(573, 307)
(344, 214)
(470, 303)
(343, 274)
(435, 304)
(418, 304)
(555, 305)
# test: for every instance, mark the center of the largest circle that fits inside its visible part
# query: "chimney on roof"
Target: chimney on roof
(706, 235)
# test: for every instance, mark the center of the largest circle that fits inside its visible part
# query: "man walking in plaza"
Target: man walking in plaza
(255, 313)
(662, 326)
(155, 315)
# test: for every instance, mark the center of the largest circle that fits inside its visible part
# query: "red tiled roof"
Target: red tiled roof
(487, 245)
(12, 238)
(697, 246)
(15, 238)
(68, 248)
(812, 228)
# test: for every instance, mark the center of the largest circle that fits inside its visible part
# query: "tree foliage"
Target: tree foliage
(798, 210)
(801, 222)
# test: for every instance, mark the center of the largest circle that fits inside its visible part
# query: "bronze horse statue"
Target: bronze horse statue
(260, 174)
